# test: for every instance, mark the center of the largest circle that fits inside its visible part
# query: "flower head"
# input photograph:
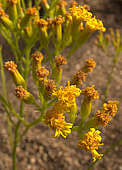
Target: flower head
(78, 78)
(89, 66)
(24, 95)
(80, 13)
(60, 60)
(42, 73)
(91, 142)
(91, 93)
(57, 121)
(102, 118)
(110, 108)
(32, 12)
(10, 66)
(58, 20)
(94, 24)
(50, 87)
(67, 95)
(42, 23)
(37, 57)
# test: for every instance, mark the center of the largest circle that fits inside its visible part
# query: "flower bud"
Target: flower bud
(12, 9)
(89, 66)
(42, 73)
(31, 13)
(16, 76)
(78, 78)
(24, 95)
(45, 4)
(57, 70)
(5, 19)
(90, 94)
(50, 87)
(42, 25)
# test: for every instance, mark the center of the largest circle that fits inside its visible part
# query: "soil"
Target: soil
(38, 150)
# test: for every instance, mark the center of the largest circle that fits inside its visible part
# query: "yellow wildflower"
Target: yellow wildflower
(94, 24)
(37, 57)
(67, 95)
(89, 66)
(78, 78)
(102, 117)
(110, 108)
(50, 87)
(60, 60)
(57, 121)
(32, 12)
(42, 73)
(91, 93)
(58, 20)
(80, 13)
(91, 142)
(42, 23)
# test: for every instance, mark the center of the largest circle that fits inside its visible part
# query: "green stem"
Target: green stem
(2, 75)
(110, 78)
(27, 63)
(16, 137)
(9, 120)
(35, 122)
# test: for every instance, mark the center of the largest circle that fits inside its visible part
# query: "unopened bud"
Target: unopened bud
(24, 95)
(16, 76)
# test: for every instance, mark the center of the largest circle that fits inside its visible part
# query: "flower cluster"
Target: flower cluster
(90, 93)
(56, 120)
(104, 116)
(91, 142)
(67, 95)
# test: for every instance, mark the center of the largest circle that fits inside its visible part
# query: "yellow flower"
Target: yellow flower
(91, 142)
(111, 107)
(67, 95)
(91, 93)
(32, 12)
(56, 120)
(42, 73)
(78, 78)
(102, 117)
(58, 20)
(60, 60)
(49, 87)
(80, 13)
(37, 57)
(89, 66)
(42, 24)
(94, 24)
